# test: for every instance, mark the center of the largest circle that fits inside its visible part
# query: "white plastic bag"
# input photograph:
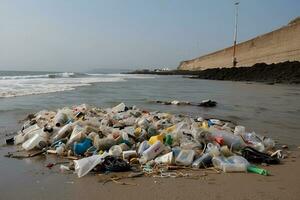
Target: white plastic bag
(85, 165)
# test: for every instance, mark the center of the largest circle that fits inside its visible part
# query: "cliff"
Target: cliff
(277, 46)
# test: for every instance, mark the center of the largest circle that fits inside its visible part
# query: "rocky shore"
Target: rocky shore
(285, 72)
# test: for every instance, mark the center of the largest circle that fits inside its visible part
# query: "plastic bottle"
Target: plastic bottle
(257, 170)
(38, 140)
(60, 119)
(202, 161)
(185, 157)
(152, 151)
(254, 141)
(63, 132)
(231, 140)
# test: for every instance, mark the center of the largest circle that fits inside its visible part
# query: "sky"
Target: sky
(81, 35)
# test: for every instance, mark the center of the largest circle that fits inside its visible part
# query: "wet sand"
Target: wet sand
(30, 179)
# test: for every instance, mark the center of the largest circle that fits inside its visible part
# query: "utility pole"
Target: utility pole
(234, 60)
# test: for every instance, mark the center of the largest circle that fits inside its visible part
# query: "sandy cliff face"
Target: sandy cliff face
(277, 46)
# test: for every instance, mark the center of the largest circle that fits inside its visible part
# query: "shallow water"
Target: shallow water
(271, 110)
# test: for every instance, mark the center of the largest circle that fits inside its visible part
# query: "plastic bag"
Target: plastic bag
(85, 165)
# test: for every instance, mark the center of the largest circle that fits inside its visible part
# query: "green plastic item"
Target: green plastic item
(257, 170)
(168, 140)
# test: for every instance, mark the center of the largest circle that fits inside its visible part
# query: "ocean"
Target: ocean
(271, 110)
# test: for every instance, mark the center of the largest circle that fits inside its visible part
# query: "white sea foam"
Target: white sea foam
(54, 75)
(12, 86)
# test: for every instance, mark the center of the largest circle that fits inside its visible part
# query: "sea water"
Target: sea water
(271, 110)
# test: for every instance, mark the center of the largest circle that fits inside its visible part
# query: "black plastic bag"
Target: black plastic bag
(254, 156)
(115, 164)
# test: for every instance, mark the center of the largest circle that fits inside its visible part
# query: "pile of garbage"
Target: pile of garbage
(127, 138)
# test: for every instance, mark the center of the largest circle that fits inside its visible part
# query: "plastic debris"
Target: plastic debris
(149, 143)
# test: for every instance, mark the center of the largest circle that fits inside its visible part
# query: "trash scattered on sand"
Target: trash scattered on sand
(144, 143)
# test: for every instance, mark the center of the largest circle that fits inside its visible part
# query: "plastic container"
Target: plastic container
(156, 138)
(185, 157)
(39, 140)
(168, 140)
(231, 164)
(152, 151)
(82, 147)
(165, 159)
(203, 161)
(143, 146)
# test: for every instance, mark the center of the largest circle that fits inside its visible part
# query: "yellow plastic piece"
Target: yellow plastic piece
(156, 138)
(205, 125)
(138, 131)
(170, 129)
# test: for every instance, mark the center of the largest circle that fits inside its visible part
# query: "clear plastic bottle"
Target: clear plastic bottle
(60, 119)
(202, 161)
(63, 132)
(231, 140)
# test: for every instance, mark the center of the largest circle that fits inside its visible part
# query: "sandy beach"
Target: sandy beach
(30, 179)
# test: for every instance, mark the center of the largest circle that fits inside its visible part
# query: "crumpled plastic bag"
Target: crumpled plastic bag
(85, 165)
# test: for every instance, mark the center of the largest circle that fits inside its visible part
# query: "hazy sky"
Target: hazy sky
(77, 35)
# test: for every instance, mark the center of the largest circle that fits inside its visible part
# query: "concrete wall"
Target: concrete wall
(277, 46)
